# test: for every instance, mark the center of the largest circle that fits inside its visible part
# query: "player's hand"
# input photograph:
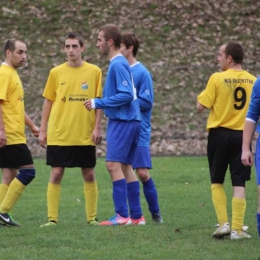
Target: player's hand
(3, 138)
(43, 139)
(97, 136)
(35, 131)
(87, 104)
(247, 158)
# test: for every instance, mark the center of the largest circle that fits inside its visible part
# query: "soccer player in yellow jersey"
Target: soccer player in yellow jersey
(227, 96)
(70, 131)
(14, 153)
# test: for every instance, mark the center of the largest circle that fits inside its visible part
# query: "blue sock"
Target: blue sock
(258, 223)
(151, 196)
(120, 197)
(133, 195)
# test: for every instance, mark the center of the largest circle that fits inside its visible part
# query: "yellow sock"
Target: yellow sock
(13, 193)
(91, 198)
(238, 214)
(219, 200)
(3, 191)
(53, 200)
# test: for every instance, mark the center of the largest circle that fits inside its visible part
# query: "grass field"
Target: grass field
(184, 195)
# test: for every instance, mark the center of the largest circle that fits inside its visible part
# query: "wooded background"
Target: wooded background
(179, 45)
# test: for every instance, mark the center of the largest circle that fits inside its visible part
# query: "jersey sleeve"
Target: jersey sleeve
(208, 95)
(253, 112)
(99, 84)
(49, 90)
(5, 82)
(145, 91)
(124, 89)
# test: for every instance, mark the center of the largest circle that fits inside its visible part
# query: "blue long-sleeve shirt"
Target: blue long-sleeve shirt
(253, 112)
(144, 89)
(119, 95)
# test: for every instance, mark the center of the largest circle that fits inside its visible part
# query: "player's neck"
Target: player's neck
(113, 52)
(75, 63)
(235, 66)
(131, 60)
(8, 63)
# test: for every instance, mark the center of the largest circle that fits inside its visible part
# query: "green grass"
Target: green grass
(184, 195)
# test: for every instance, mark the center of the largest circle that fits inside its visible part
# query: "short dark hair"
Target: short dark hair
(111, 31)
(10, 45)
(75, 35)
(235, 50)
(130, 39)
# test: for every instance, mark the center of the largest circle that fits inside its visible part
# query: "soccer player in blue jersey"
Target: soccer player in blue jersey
(249, 129)
(144, 90)
(120, 105)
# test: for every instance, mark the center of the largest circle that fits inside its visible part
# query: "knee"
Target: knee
(26, 175)
(56, 175)
(88, 175)
(143, 175)
(111, 167)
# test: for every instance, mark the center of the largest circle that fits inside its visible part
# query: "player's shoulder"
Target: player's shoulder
(4, 69)
(141, 68)
(251, 76)
(91, 66)
(257, 81)
(58, 67)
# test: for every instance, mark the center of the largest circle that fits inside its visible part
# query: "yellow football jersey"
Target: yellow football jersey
(11, 92)
(70, 123)
(227, 95)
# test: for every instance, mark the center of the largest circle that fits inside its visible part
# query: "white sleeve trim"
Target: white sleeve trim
(251, 120)
(93, 103)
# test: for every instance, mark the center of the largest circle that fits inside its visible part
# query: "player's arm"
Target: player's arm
(35, 129)
(3, 138)
(97, 133)
(46, 110)
(248, 132)
(206, 98)
(145, 92)
(200, 107)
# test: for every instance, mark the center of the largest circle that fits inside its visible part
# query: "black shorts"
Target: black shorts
(15, 156)
(71, 156)
(224, 149)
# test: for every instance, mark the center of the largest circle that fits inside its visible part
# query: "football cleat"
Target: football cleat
(156, 217)
(222, 231)
(235, 236)
(116, 220)
(140, 221)
(3, 225)
(6, 219)
(93, 222)
(51, 223)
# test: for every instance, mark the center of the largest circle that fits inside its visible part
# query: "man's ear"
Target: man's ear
(7, 52)
(229, 58)
(83, 48)
(110, 42)
(131, 48)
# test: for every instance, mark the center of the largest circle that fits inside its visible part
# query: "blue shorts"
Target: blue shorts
(122, 139)
(142, 158)
(257, 161)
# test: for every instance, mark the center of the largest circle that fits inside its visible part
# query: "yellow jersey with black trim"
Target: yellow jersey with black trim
(227, 95)
(12, 95)
(70, 123)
